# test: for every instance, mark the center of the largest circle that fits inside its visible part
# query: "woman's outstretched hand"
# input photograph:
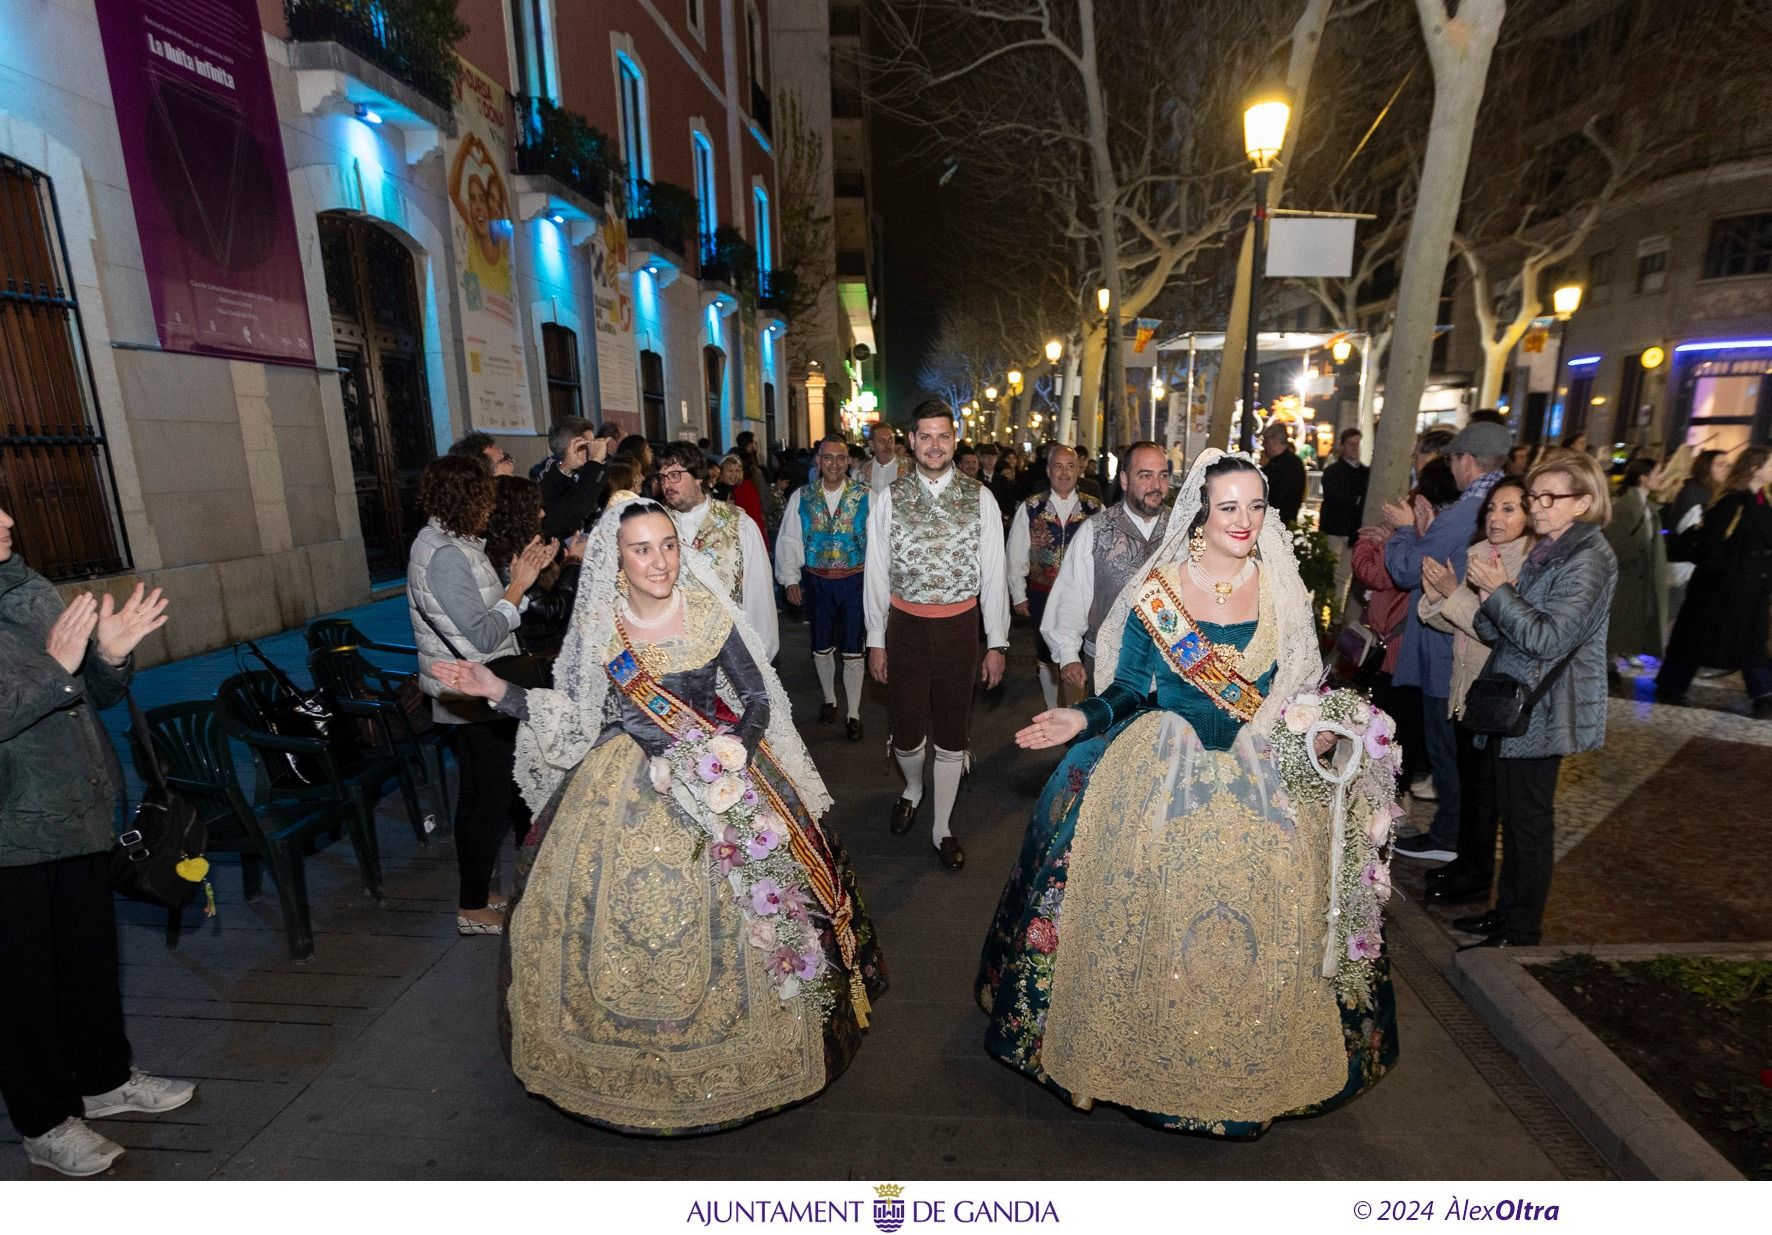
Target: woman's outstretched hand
(468, 678)
(1053, 728)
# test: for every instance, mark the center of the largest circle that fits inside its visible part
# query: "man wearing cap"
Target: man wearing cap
(1477, 456)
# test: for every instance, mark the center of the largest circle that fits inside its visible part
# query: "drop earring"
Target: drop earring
(1196, 544)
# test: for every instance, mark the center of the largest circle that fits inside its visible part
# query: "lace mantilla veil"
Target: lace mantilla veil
(1300, 663)
(564, 721)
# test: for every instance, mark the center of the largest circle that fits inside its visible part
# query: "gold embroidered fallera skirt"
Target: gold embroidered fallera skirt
(635, 1001)
(1188, 978)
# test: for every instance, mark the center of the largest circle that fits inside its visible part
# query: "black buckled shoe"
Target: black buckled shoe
(1500, 939)
(904, 814)
(1478, 924)
(827, 712)
(852, 727)
(950, 854)
(1456, 892)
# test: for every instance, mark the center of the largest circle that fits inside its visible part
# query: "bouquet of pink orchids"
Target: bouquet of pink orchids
(1357, 781)
(709, 777)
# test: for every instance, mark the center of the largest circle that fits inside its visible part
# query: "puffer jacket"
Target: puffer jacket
(1560, 607)
(56, 793)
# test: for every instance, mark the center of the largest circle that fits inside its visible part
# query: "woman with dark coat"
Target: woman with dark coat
(1723, 623)
(1551, 624)
(1639, 610)
(64, 1057)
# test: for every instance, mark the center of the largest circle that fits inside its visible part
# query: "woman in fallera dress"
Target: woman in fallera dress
(687, 950)
(1160, 943)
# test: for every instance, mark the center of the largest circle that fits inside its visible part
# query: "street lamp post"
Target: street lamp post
(1565, 300)
(1264, 134)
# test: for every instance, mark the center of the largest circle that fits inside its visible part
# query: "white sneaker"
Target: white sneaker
(141, 1092)
(73, 1149)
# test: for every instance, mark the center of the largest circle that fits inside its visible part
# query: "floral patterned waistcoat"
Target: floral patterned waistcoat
(718, 538)
(835, 541)
(935, 541)
(1048, 537)
(1120, 551)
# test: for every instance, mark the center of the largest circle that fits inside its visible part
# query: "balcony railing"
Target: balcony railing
(663, 213)
(762, 111)
(552, 141)
(422, 56)
(727, 257)
(775, 294)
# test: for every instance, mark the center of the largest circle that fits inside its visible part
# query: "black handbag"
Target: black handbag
(1499, 705)
(297, 713)
(165, 832)
(524, 669)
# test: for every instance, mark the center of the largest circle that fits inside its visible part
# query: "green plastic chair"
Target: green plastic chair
(192, 741)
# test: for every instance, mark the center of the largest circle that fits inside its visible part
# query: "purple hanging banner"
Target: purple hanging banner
(204, 156)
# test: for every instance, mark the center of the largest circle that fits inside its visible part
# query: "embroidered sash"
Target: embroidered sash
(1210, 668)
(808, 846)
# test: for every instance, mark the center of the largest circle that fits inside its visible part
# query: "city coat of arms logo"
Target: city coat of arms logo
(888, 1207)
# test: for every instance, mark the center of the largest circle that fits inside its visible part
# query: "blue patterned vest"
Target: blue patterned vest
(935, 541)
(1048, 537)
(835, 541)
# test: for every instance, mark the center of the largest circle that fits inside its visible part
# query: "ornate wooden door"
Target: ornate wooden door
(372, 288)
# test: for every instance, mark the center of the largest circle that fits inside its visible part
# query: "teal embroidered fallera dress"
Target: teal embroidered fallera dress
(1015, 978)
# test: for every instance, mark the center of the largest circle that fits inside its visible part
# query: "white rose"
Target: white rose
(1301, 716)
(762, 933)
(659, 772)
(723, 794)
(728, 750)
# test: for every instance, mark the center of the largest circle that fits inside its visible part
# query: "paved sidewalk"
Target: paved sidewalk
(379, 1059)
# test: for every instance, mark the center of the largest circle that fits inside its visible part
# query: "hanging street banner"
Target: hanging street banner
(1310, 247)
(618, 385)
(480, 227)
(204, 158)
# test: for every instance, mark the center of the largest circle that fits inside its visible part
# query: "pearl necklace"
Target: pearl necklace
(630, 618)
(1221, 590)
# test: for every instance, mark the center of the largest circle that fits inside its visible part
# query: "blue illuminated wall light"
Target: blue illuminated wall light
(1722, 345)
(713, 316)
(551, 245)
(1582, 362)
(646, 312)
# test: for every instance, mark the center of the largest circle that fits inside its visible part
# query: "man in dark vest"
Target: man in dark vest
(1043, 527)
(1103, 556)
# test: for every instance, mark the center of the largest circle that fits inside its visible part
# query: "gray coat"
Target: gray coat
(1561, 605)
(56, 793)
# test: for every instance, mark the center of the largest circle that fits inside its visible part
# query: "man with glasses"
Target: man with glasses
(819, 558)
(1102, 558)
(479, 445)
(729, 536)
(1477, 455)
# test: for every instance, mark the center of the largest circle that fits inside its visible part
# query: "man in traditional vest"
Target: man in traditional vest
(1105, 553)
(934, 569)
(1044, 525)
(726, 534)
(819, 556)
(882, 469)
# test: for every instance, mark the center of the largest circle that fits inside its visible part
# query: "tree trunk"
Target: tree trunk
(1307, 38)
(1496, 354)
(1107, 196)
(1089, 387)
(1459, 50)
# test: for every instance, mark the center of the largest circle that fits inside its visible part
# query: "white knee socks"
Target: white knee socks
(853, 668)
(949, 764)
(910, 762)
(826, 664)
(1049, 684)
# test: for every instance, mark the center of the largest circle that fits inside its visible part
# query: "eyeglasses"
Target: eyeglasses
(1544, 501)
(674, 474)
